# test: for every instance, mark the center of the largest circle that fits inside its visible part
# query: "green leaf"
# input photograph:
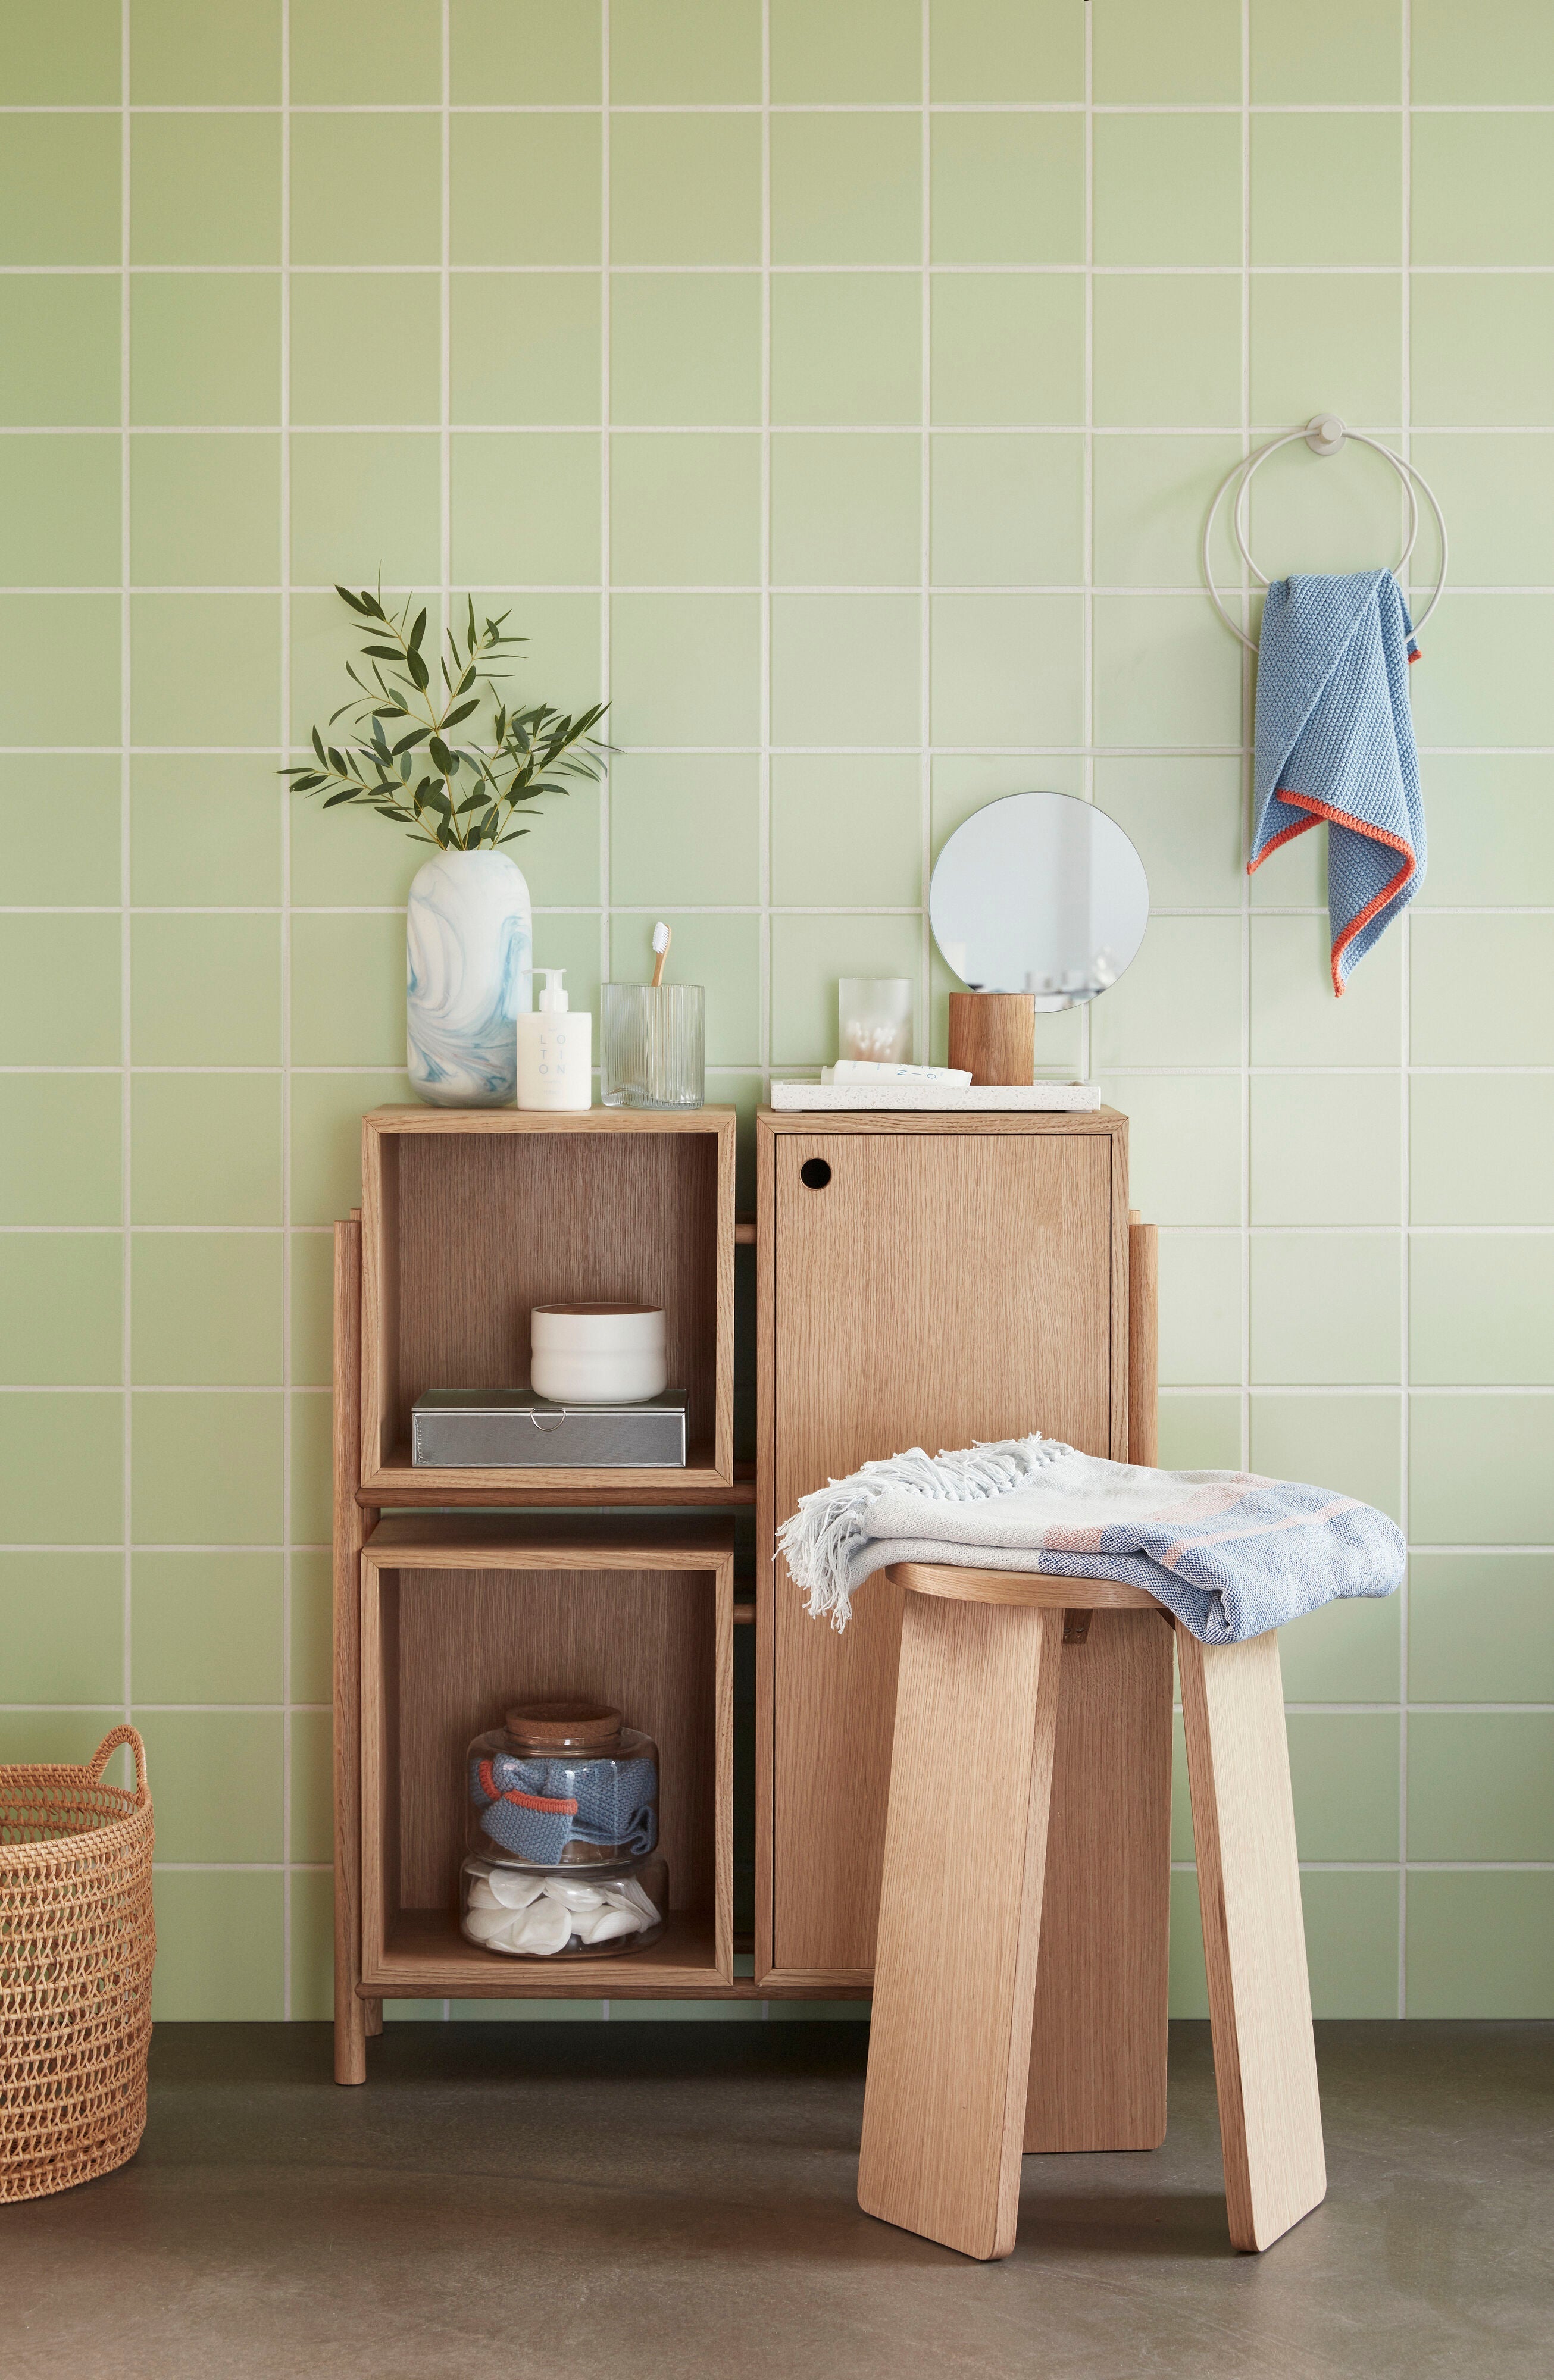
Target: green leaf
(318, 748)
(441, 754)
(462, 712)
(335, 800)
(419, 672)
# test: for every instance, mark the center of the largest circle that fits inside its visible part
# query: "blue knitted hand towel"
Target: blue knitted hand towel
(1335, 741)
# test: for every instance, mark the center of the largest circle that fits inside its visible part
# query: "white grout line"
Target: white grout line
(1405, 1053)
(284, 800)
(1248, 822)
(126, 854)
(923, 1048)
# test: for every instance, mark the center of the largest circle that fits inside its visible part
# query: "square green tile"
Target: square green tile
(220, 1949)
(1335, 331)
(1167, 50)
(684, 190)
(349, 858)
(964, 782)
(61, 1309)
(1344, 1773)
(1309, 61)
(331, 66)
(59, 348)
(1008, 511)
(206, 1312)
(312, 1944)
(1167, 350)
(348, 990)
(312, 1308)
(207, 54)
(1006, 349)
(845, 190)
(84, 867)
(684, 52)
(525, 509)
(685, 347)
(62, 1469)
(809, 956)
(1502, 56)
(684, 669)
(59, 991)
(1336, 523)
(528, 199)
(685, 510)
(365, 506)
(59, 506)
(1483, 352)
(206, 991)
(326, 1111)
(313, 1489)
(1152, 496)
(204, 829)
(312, 1593)
(1183, 818)
(1481, 1151)
(365, 348)
(1348, 1652)
(846, 827)
(845, 669)
(560, 854)
(218, 1784)
(1479, 1471)
(312, 1787)
(1005, 669)
(1200, 1309)
(1352, 1942)
(533, 52)
(1351, 1444)
(1482, 1311)
(1479, 1785)
(61, 684)
(63, 1735)
(1299, 881)
(205, 669)
(1201, 1433)
(1327, 1148)
(1007, 188)
(206, 1148)
(1167, 189)
(1481, 188)
(1480, 1945)
(1499, 500)
(1447, 952)
(846, 348)
(1481, 1628)
(846, 509)
(1183, 1144)
(1296, 1021)
(62, 1618)
(1178, 1004)
(206, 1628)
(1326, 1307)
(205, 348)
(60, 1139)
(205, 189)
(721, 953)
(204, 511)
(872, 50)
(1166, 672)
(685, 827)
(68, 58)
(515, 362)
(1478, 650)
(1356, 162)
(339, 212)
(559, 662)
(326, 636)
(206, 1469)
(1006, 50)
(59, 190)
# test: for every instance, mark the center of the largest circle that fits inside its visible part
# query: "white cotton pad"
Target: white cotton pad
(542, 1929)
(486, 1925)
(482, 1896)
(572, 1896)
(604, 1924)
(512, 1889)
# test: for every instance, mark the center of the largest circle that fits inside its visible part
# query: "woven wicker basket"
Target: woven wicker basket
(77, 1946)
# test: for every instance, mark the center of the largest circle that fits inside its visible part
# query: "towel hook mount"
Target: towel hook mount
(1326, 434)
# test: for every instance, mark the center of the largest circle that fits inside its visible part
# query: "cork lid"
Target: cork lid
(564, 1727)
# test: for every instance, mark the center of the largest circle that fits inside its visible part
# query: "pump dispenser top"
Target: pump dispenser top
(555, 1050)
(553, 1000)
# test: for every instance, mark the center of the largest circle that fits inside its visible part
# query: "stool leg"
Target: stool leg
(960, 1921)
(1098, 2040)
(1249, 1890)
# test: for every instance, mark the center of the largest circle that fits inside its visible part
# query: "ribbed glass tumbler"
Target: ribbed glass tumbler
(652, 1045)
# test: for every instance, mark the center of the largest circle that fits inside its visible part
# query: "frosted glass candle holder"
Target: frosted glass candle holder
(873, 1019)
(652, 1045)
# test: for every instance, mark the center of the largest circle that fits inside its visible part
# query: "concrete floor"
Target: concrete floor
(655, 2200)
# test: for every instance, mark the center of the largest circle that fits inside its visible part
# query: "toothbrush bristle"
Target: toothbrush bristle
(660, 937)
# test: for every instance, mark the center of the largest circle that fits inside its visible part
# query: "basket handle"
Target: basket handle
(105, 1751)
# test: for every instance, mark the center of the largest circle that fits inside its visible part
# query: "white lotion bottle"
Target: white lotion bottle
(555, 1050)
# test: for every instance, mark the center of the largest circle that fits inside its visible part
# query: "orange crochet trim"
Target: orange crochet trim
(1378, 834)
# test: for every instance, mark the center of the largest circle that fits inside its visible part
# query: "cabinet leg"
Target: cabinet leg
(955, 1971)
(1098, 2039)
(1249, 1889)
(350, 2039)
(375, 2018)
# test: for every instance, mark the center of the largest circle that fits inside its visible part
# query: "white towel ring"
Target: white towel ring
(1324, 434)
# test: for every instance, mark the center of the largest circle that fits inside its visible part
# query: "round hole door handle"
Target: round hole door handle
(547, 1420)
(814, 1174)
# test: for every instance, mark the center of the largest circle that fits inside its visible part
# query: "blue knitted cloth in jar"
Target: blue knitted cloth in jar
(534, 1808)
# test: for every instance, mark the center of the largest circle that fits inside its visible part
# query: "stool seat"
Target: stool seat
(1021, 1967)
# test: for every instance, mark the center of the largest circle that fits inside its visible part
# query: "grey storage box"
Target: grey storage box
(481, 1430)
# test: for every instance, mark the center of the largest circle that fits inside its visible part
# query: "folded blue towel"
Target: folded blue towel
(1335, 741)
(534, 1808)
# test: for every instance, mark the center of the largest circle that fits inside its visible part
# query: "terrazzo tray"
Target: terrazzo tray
(954, 1098)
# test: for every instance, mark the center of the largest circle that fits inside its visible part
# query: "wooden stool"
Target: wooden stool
(1020, 1974)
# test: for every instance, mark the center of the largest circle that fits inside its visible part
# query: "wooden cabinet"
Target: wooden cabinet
(923, 1281)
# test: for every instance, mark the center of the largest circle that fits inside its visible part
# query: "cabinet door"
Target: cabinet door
(935, 1291)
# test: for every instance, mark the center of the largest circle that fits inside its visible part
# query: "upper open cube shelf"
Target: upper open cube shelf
(471, 1217)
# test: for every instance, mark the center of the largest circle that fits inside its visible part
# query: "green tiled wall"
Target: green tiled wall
(839, 389)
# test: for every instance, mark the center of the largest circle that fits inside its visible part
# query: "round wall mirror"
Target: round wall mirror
(1040, 893)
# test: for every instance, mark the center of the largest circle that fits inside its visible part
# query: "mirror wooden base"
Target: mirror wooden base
(993, 1033)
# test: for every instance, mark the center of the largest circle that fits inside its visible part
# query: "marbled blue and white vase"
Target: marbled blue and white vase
(468, 970)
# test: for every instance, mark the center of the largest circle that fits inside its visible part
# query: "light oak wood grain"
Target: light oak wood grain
(1144, 1342)
(993, 1035)
(350, 1524)
(1034, 1589)
(955, 1972)
(903, 1122)
(399, 1482)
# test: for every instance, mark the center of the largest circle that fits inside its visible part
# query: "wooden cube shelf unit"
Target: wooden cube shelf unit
(463, 1616)
(471, 1217)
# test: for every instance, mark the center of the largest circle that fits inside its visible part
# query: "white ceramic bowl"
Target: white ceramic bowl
(597, 1354)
